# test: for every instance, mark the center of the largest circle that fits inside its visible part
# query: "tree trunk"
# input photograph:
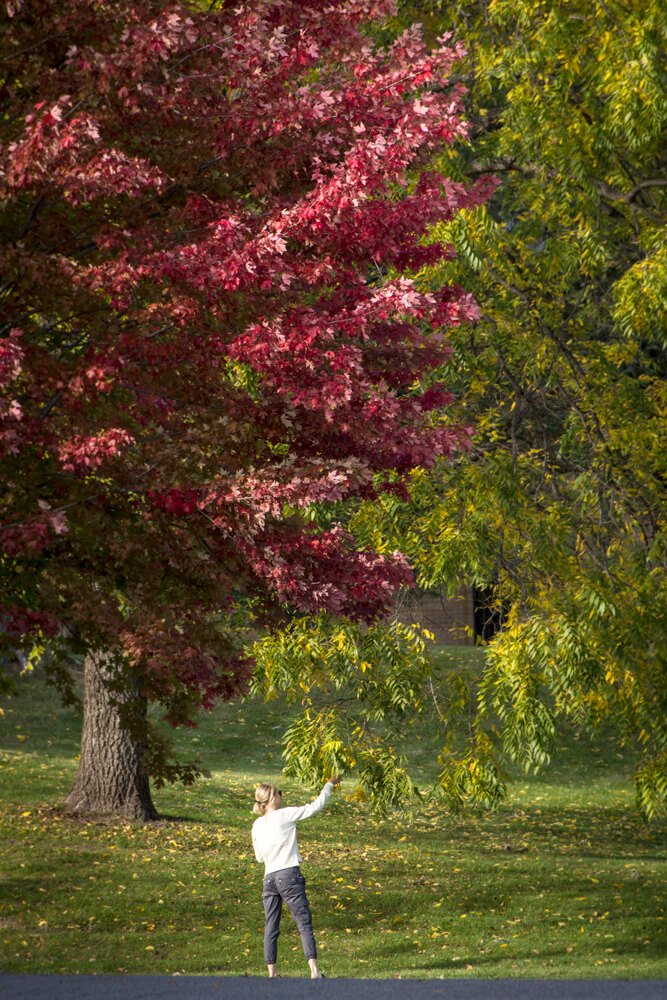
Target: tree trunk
(111, 776)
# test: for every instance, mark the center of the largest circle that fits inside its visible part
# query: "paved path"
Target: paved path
(254, 988)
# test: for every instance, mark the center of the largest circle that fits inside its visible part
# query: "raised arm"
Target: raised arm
(296, 813)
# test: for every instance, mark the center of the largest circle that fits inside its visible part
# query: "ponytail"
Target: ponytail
(263, 795)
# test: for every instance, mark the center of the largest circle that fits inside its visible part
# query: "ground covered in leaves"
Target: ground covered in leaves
(564, 880)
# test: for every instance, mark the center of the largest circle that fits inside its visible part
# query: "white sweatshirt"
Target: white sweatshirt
(274, 834)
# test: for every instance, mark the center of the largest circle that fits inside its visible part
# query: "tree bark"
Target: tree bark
(111, 776)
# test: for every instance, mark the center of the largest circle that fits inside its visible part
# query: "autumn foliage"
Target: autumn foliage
(209, 328)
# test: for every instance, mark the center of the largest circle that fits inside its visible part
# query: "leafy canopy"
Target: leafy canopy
(559, 507)
(209, 328)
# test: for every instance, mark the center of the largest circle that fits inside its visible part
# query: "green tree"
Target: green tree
(559, 509)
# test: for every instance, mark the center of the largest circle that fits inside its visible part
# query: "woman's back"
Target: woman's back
(274, 834)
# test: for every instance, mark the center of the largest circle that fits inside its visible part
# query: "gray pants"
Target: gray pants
(289, 885)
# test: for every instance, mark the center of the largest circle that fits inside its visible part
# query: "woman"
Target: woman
(275, 844)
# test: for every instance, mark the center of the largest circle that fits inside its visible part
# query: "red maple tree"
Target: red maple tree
(209, 219)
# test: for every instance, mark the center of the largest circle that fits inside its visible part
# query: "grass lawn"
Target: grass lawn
(564, 880)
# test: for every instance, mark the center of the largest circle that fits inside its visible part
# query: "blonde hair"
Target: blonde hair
(263, 795)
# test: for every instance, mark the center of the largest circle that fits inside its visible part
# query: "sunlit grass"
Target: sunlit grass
(563, 881)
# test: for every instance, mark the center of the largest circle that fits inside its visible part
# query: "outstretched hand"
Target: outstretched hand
(335, 780)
